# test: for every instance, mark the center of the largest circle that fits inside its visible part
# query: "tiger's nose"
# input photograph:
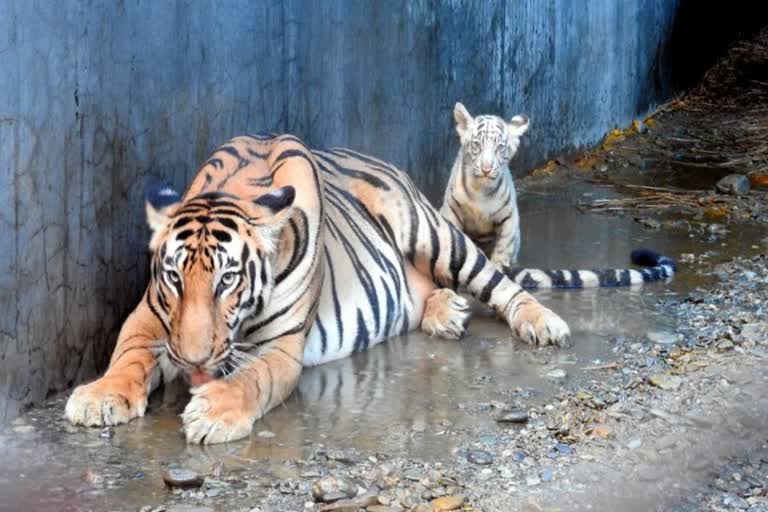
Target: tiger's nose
(486, 168)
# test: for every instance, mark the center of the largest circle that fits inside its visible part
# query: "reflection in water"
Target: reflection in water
(407, 396)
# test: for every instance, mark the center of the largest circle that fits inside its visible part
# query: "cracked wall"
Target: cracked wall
(96, 98)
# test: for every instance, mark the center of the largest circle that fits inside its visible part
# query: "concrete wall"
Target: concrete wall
(97, 97)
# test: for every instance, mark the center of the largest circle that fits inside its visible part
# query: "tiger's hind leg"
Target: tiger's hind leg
(446, 314)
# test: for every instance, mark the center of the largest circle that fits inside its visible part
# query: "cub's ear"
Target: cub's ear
(463, 121)
(272, 211)
(161, 203)
(518, 125)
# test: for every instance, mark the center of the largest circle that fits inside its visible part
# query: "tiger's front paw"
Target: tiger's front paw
(537, 325)
(219, 411)
(110, 400)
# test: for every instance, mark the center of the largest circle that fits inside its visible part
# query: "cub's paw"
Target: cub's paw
(107, 401)
(446, 314)
(217, 413)
(537, 325)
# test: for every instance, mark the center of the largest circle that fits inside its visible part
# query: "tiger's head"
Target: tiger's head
(211, 268)
(488, 142)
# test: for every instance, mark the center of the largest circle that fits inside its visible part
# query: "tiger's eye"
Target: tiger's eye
(228, 278)
(173, 276)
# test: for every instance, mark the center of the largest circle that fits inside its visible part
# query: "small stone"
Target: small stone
(666, 381)
(448, 503)
(547, 474)
(380, 508)
(512, 416)
(182, 478)
(343, 456)
(734, 184)
(662, 337)
(266, 434)
(330, 489)
(756, 332)
(422, 508)
(725, 345)
(485, 474)
(479, 457)
(532, 481)
(563, 448)
(106, 433)
(518, 456)
(23, 429)
(94, 479)
(635, 444)
(556, 374)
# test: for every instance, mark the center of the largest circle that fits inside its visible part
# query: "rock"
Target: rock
(94, 479)
(343, 456)
(556, 374)
(725, 345)
(182, 478)
(448, 503)
(422, 508)
(381, 508)
(479, 457)
(731, 500)
(666, 381)
(635, 444)
(485, 474)
(512, 416)
(756, 332)
(547, 474)
(330, 489)
(351, 505)
(649, 222)
(734, 184)
(563, 448)
(662, 337)
(266, 434)
(23, 429)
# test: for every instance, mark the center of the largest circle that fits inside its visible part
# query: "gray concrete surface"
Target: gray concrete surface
(97, 97)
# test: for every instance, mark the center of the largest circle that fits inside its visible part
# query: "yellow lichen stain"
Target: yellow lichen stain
(547, 168)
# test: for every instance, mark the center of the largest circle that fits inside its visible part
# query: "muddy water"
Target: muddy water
(408, 396)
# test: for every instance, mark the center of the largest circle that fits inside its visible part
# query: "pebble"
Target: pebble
(666, 381)
(479, 457)
(755, 332)
(513, 416)
(635, 444)
(725, 345)
(266, 434)
(734, 184)
(182, 478)
(448, 503)
(332, 489)
(557, 374)
(547, 474)
(662, 337)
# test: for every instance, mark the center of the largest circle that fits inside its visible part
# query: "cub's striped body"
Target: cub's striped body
(480, 198)
(278, 256)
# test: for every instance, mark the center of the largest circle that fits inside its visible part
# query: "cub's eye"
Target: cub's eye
(228, 278)
(173, 276)
(501, 147)
(475, 146)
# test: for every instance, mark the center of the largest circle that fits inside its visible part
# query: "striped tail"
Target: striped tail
(658, 267)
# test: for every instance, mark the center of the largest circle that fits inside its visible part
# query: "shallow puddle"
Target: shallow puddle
(410, 395)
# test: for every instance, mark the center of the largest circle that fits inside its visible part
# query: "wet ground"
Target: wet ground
(413, 402)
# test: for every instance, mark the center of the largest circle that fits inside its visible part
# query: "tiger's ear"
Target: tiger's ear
(161, 202)
(463, 121)
(518, 125)
(272, 211)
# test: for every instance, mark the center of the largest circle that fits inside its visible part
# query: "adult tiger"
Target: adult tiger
(277, 257)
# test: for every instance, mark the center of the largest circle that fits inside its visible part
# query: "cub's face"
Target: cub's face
(488, 142)
(211, 269)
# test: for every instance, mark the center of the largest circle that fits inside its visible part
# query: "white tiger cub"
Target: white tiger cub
(480, 199)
